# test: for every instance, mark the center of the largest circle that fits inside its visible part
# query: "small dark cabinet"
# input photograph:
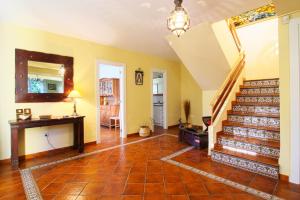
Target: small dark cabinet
(194, 137)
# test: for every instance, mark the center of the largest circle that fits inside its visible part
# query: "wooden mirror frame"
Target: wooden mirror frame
(21, 60)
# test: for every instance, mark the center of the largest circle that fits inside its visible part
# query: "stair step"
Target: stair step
(260, 90)
(254, 87)
(258, 141)
(255, 104)
(239, 94)
(251, 145)
(255, 163)
(229, 123)
(231, 112)
(251, 133)
(255, 121)
(261, 83)
(258, 99)
(256, 109)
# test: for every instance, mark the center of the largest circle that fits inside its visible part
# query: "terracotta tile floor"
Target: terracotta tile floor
(136, 172)
(200, 160)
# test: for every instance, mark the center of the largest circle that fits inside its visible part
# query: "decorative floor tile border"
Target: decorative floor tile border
(30, 187)
(225, 181)
(32, 191)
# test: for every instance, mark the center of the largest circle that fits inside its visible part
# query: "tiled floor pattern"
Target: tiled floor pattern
(199, 160)
(134, 171)
(11, 186)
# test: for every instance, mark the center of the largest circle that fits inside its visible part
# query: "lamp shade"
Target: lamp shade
(74, 94)
(179, 20)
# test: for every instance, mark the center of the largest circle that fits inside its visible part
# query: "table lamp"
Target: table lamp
(74, 94)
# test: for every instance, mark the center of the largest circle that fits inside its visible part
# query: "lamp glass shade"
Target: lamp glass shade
(178, 21)
(74, 94)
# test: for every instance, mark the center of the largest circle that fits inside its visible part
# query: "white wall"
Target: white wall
(207, 51)
(109, 71)
(260, 42)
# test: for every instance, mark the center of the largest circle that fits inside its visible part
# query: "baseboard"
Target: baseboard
(173, 126)
(284, 178)
(44, 153)
(133, 134)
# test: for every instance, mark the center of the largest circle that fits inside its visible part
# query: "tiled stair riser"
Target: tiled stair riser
(259, 149)
(258, 99)
(256, 121)
(260, 168)
(260, 91)
(256, 105)
(261, 83)
(257, 109)
(252, 133)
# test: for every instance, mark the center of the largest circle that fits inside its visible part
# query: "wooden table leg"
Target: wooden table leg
(15, 148)
(75, 134)
(81, 136)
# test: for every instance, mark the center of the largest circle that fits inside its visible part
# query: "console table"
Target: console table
(18, 126)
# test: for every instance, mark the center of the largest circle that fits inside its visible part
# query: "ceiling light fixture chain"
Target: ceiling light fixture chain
(178, 3)
(179, 20)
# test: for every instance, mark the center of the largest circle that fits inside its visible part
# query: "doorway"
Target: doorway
(110, 90)
(159, 100)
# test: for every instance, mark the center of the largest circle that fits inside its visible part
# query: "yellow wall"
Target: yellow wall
(260, 42)
(207, 96)
(190, 90)
(284, 75)
(85, 55)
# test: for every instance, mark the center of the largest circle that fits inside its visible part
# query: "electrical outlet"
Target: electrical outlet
(46, 135)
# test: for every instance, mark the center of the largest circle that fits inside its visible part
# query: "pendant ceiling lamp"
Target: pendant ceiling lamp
(179, 20)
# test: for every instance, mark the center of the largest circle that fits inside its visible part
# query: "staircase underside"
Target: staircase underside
(250, 136)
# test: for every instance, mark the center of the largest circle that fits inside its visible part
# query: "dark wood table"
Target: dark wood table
(18, 126)
(193, 136)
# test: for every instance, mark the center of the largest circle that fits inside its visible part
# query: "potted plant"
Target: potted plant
(187, 111)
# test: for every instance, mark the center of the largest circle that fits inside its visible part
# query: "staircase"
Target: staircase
(250, 136)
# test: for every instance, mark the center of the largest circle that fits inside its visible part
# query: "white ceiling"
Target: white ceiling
(138, 25)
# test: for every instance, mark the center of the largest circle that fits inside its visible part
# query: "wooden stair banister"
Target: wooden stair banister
(228, 84)
(234, 34)
(227, 87)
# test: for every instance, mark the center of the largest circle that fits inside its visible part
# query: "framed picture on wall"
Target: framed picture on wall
(139, 76)
(51, 86)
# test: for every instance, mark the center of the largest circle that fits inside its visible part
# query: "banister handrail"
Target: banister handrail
(219, 99)
(228, 84)
(234, 34)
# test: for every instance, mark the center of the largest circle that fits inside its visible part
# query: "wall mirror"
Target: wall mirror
(42, 77)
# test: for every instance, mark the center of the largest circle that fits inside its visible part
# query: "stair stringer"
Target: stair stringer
(217, 126)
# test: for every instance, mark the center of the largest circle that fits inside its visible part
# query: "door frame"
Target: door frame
(123, 127)
(294, 43)
(165, 95)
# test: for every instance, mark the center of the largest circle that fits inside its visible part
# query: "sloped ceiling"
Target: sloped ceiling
(138, 25)
(286, 6)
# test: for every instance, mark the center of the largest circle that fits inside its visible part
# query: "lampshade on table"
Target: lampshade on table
(74, 94)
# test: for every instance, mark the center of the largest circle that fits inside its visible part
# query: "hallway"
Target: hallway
(136, 170)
